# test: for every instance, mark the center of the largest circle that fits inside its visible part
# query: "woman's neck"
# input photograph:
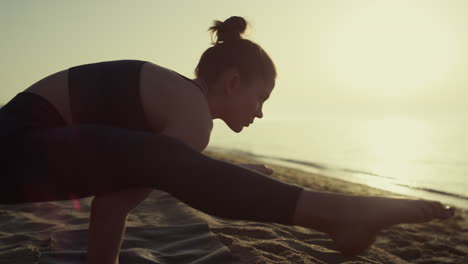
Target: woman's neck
(203, 85)
(211, 98)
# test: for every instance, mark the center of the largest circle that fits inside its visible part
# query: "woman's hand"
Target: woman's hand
(257, 167)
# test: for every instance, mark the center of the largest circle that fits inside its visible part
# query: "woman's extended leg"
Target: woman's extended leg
(79, 161)
(85, 160)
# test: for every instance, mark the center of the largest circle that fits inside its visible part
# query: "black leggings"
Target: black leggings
(61, 163)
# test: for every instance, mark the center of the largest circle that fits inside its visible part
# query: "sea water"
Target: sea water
(422, 158)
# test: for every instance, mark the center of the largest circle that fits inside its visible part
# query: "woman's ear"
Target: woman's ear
(230, 80)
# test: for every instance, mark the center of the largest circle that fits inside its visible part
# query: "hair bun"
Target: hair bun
(229, 30)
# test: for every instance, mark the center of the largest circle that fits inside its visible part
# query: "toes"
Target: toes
(440, 211)
(448, 212)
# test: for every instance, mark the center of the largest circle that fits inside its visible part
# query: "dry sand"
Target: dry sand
(165, 230)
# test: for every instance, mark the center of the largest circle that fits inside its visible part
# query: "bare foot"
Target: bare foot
(354, 221)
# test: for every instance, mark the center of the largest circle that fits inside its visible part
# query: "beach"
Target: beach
(165, 230)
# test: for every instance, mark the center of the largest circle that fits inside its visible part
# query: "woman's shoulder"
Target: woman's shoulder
(158, 82)
(158, 70)
(172, 100)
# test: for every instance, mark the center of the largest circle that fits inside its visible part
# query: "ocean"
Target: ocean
(422, 158)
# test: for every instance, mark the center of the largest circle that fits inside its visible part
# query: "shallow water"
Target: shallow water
(422, 158)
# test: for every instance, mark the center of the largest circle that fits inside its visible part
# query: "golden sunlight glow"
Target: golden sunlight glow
(394, 142)
(391, 48)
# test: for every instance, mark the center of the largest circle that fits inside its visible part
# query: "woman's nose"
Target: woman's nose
(259, 113)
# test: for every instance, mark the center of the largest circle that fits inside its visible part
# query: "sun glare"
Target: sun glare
(391, 48)
(395, 144)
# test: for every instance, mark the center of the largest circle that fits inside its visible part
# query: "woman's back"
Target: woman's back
(108, 93)
(132, 94)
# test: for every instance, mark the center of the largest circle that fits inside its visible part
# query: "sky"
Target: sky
(358, 58)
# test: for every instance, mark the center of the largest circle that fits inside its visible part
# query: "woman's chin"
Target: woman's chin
(237, 129)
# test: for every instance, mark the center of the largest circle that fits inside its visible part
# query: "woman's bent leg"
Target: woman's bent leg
(85, 160)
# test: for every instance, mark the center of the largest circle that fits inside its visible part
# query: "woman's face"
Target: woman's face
(246, 103)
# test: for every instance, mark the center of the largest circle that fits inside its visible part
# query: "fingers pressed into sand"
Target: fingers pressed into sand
(268, 171)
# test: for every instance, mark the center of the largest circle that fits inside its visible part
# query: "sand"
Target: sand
(165, 230)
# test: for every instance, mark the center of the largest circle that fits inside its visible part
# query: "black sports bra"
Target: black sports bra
(108, 93)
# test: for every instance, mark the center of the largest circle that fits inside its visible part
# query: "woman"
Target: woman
(118, 129)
